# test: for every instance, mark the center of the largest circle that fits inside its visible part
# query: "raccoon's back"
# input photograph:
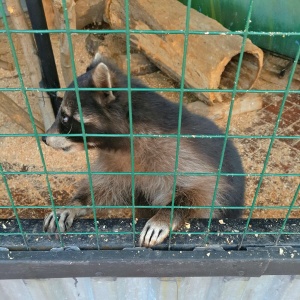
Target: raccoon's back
(212, 148)
(154, 111)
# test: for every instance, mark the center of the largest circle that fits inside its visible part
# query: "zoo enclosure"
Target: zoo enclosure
(247, 247)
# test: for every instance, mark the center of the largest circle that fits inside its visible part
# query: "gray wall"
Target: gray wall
(208, 288)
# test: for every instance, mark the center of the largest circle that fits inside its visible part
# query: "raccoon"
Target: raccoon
(107, 112)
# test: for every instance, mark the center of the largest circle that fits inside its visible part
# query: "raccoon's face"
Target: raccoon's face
(102, 113)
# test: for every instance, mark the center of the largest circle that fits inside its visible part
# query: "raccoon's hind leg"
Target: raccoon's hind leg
(157, 228)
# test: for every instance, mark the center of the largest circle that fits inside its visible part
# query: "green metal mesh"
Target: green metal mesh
(127, 31)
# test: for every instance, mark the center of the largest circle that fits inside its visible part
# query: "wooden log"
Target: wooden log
(18, 115)
(49, 14)
(31, 58)
(65, 59)
(87, 12)
(211, 59)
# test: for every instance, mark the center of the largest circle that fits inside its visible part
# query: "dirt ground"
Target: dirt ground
(21, 153)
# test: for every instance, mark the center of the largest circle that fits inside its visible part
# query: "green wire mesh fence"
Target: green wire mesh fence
(28, 234)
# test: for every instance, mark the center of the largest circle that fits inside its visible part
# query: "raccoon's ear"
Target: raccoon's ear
(102, 79)
(97, 58)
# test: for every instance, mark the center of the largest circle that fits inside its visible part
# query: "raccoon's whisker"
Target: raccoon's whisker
(70, 128)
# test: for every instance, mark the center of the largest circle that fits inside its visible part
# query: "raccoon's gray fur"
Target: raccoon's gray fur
(107, 112)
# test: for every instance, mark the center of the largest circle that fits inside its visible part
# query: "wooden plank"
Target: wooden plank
(18, 115)
(31, 58)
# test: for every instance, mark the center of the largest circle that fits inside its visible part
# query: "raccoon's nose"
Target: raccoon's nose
(44, 138)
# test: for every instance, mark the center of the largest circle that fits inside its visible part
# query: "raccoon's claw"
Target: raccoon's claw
(65, 218)
(154, 233)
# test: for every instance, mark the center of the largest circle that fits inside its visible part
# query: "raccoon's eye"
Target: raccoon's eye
(65, 119)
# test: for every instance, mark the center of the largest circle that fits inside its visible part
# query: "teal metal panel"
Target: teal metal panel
(267, 16)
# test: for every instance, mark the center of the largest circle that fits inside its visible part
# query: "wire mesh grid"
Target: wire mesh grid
(24, 234)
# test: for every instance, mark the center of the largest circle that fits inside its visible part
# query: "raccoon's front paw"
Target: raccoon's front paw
(154, 233)
(65, 218)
